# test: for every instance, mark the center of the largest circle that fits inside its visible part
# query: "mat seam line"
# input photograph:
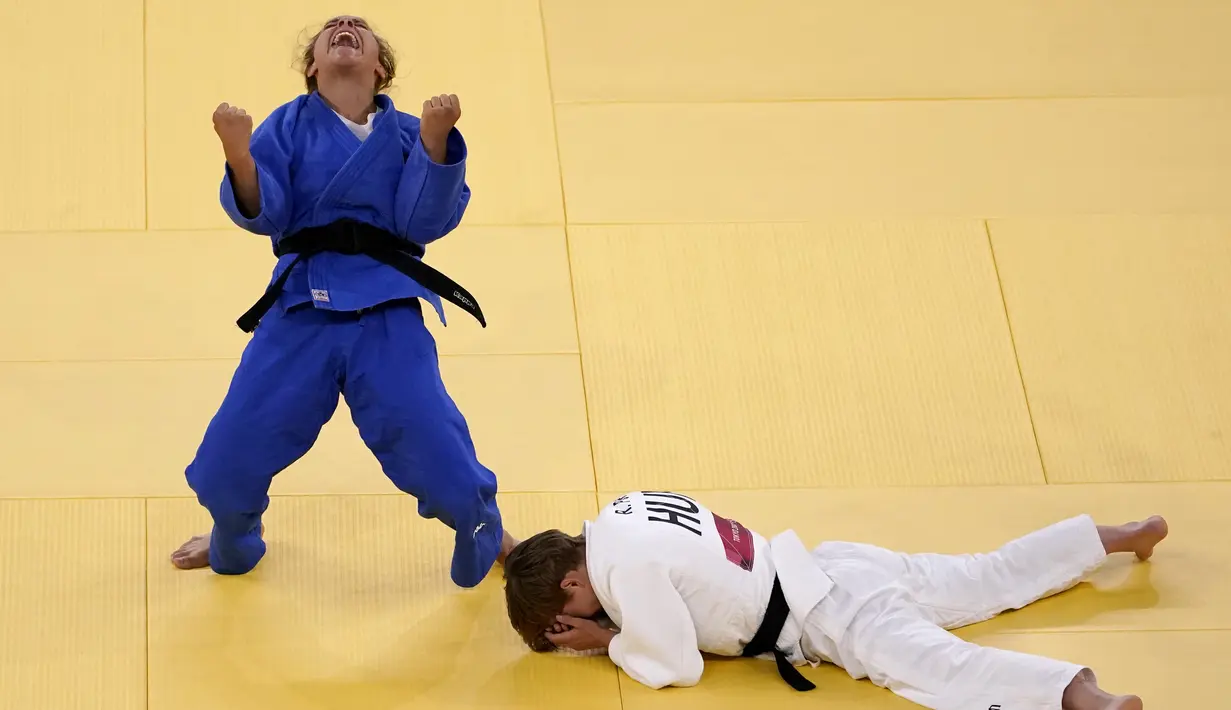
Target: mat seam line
(231, 358)
(883, 487)
(1017, 359)
(568, 255)
(146, 519)
(145, 112)
(990, 98)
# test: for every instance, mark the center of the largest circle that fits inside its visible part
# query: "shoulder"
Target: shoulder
(408, 124)
(284, 118)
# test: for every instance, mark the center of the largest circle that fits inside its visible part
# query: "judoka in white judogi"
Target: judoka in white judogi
(678, 579)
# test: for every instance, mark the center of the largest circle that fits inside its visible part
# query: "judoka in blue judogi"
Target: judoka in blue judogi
(350, 191)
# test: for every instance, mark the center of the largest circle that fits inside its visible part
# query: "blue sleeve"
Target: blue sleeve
(432, 197)
(272, 149)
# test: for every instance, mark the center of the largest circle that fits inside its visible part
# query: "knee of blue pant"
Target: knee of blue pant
(462, 498)
(226, 489)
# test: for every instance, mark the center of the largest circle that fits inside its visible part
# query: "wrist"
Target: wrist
(436, 148)
(609, 636)
(239, 159)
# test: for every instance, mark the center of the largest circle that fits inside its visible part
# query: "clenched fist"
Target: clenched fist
(234, 128)
(440, 114)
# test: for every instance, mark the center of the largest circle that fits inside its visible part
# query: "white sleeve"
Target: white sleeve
(657, 643)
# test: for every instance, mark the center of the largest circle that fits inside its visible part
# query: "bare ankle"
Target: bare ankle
(1081, 691)
(1115, 538)
(1138, 537)
(1084, 693)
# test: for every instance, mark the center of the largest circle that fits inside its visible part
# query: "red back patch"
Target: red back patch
(737, 542)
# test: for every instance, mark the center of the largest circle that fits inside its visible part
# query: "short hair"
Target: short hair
(533, 572)
(388, 61)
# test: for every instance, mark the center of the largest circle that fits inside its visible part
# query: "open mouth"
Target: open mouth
(345, 38)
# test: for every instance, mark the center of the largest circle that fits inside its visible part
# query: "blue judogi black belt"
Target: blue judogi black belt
(765, 640)
(351, 237)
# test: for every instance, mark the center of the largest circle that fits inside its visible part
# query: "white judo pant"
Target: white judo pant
(887, 615)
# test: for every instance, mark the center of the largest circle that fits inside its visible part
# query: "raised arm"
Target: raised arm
(432, 193)
(256, 191)
(657, 643)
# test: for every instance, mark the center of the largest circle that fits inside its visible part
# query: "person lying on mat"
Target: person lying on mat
(676, 579)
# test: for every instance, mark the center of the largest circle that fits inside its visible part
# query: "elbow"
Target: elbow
(661, 675)
(426, 231)
(691, 675)
(260, 224)
(263, 220)
(686, 679)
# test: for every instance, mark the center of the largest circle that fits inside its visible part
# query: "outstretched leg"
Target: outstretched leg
(900, 650)
(399, 403)
(284, 390)
(959, 590)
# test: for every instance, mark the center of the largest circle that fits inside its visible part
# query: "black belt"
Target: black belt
(766, 639)
(351, 237)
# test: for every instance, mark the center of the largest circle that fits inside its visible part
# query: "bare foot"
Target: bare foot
(1084, 693)
(1138, 538)
(1149, 533)
(194, 554)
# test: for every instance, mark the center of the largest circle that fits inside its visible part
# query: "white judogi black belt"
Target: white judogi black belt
(765, 640)
(351, 237)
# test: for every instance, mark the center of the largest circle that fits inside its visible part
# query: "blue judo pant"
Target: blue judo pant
(384, 362)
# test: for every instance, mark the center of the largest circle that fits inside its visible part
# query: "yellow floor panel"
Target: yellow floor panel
(798, 161)
(521, 277)
(174, 295)
(352, 607)
(701, 50)
(1121, 328)
(798, 355)
(1167, 670)
(130, 428)
(826, 267)
(73, 148)
(1186, 586)
(72, 605)
(502, 83)
(130, 295)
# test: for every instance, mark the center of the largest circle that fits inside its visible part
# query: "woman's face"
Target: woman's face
(346, 43)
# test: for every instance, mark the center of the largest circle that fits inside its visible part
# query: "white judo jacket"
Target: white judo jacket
(678, 579)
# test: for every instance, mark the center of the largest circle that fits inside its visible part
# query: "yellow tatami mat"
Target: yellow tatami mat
(1185, 669)
(798, 355)
(1167, 670)
(521, 277)
(1185, 587)
(72, 604)
(796, 161)
(733, 50)
(1122, 330)
(72, 130)
(502, 84)
(352, 608)
(130, 428)
(95, 296)
(827, 266)
(176, 295)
